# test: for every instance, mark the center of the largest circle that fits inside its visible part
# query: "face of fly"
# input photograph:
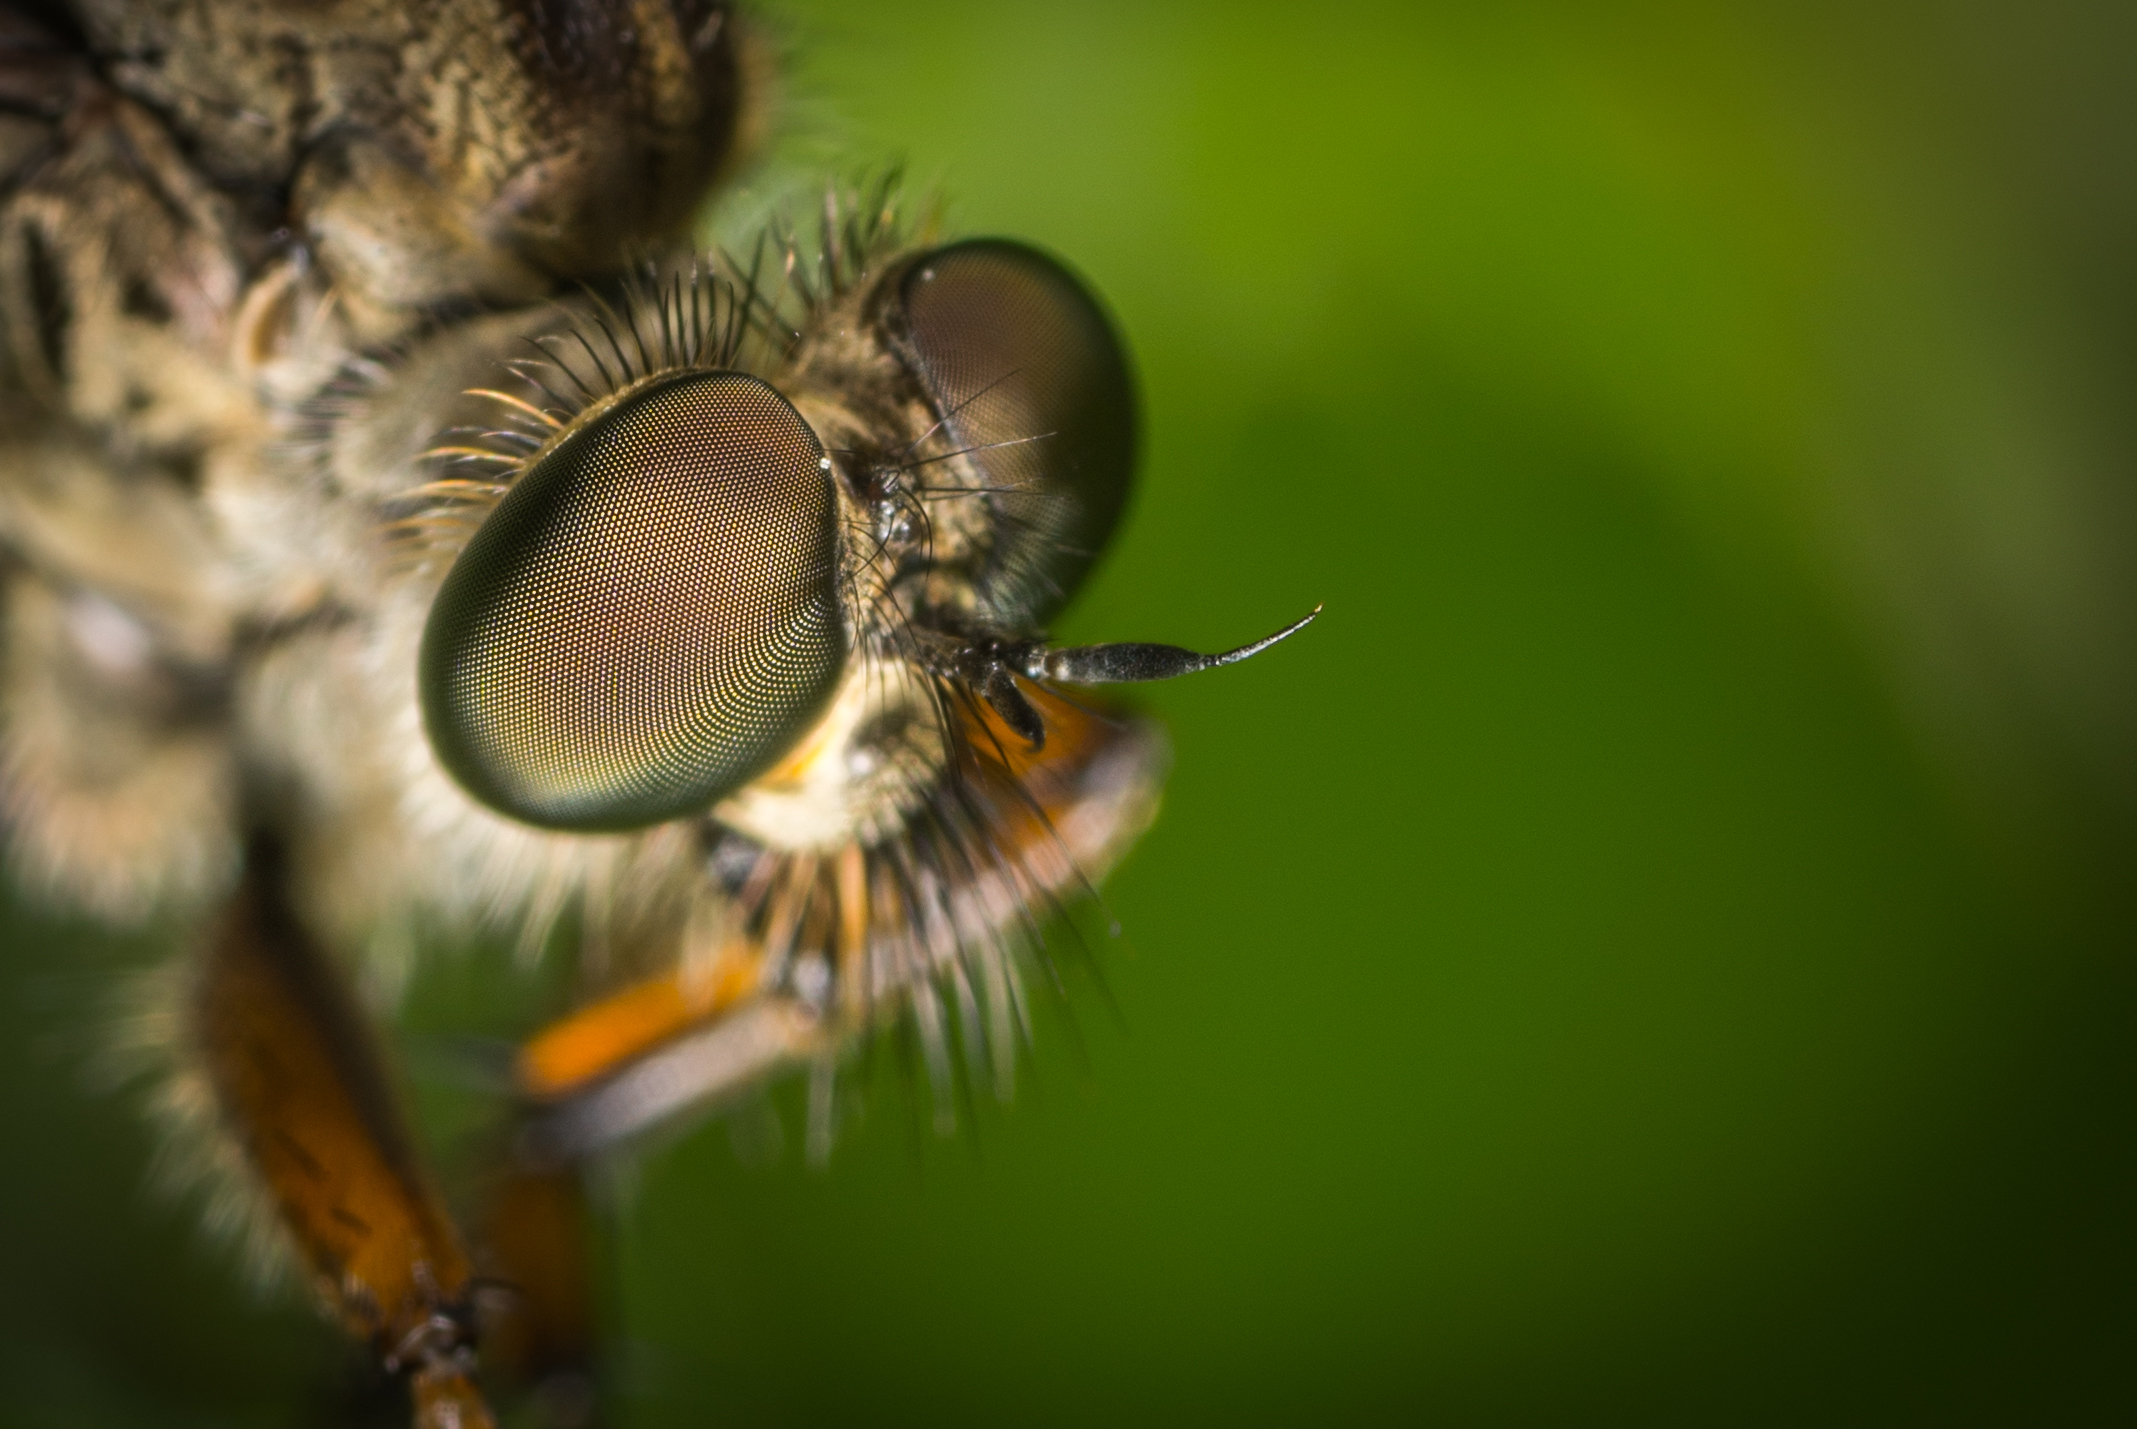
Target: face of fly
(773, 564)
(768, 563)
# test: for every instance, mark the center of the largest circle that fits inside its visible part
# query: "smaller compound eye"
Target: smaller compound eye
(649, 617)
(1026, 374)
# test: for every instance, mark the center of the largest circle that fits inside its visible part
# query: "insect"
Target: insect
(406, 531)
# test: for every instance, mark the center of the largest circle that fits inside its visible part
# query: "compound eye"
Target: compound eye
(1026, 373)
(648, 618)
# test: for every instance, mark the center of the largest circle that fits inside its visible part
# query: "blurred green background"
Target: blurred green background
(1658, 951)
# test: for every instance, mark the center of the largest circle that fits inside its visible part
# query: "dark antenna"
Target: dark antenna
(1127, 662)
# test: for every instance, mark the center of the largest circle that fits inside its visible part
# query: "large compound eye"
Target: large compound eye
(1028, 376)
(649, 617)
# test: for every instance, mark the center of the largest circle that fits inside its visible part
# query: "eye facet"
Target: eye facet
(648, 618)
(1029, 377)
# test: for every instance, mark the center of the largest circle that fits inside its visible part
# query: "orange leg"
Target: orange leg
(300, 1087)
(605, 1035)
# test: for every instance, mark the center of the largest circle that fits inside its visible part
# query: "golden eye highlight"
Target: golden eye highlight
(648, 618)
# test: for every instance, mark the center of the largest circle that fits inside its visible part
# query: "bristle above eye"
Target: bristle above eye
(709, 312)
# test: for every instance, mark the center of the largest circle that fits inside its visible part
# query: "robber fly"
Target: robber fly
(399, 521)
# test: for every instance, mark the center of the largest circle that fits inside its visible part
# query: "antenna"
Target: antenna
(1135, 662)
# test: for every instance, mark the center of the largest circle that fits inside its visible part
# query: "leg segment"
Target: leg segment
(300, 1087)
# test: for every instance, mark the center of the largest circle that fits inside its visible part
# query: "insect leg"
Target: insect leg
(301, 1089)
(540, 1331)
